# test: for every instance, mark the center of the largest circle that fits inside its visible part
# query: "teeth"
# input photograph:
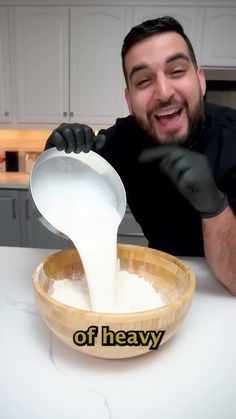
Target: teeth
(164, 113)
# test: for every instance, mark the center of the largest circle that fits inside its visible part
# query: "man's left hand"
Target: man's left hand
(191, 173)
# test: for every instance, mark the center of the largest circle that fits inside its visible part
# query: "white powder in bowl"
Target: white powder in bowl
(134, 293)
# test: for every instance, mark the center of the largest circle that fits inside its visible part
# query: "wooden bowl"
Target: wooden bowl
(170, 276)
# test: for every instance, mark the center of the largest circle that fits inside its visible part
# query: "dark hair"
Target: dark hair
(154, 27)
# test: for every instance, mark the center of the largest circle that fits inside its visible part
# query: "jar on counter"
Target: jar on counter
(30, 159)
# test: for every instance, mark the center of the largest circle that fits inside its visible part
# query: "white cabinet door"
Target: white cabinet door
(5, 102)
(191, 18)
(41, 62)
(219, 46)
(96, 82)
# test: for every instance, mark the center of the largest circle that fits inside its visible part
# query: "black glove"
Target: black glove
(191, 174)
(74, 138)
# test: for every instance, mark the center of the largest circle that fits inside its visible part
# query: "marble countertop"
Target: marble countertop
(14, 180)
(191, 376)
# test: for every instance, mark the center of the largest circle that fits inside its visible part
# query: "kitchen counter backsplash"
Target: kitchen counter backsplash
(12, 180)
(22, 143)
(23, 140)
(26, 143)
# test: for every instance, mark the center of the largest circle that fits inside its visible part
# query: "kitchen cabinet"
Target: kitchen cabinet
(5, 93)
(219, 47)
(40, 42)
(62, 63)
(96, 79)
(20, 226)
(130, 231)
(34, 233)
(191, 18)
(10, 223)
(68, 64)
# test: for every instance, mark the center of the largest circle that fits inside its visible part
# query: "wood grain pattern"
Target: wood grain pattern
(170, 276)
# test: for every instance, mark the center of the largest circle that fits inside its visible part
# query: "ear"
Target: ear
(128, 100)
(202, 80)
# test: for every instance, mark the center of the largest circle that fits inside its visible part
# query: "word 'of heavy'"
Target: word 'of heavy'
(120, 338)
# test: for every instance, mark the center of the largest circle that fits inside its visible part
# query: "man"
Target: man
(176, 155)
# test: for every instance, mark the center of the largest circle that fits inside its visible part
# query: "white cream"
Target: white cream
(86, 212)
(82, 205)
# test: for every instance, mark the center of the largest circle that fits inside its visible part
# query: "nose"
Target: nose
(163, 89)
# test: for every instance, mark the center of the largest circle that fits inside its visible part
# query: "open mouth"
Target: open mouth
(170, 116)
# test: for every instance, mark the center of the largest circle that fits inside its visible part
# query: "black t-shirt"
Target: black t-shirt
(167, 219)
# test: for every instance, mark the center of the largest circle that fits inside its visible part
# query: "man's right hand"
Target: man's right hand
(74, 138)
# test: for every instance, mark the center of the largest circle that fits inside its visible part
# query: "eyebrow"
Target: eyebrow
(137, 68)
(177, 56)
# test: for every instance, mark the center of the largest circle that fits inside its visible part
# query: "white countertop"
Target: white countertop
(191, 376)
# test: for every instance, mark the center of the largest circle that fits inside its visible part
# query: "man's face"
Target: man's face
(165, 91)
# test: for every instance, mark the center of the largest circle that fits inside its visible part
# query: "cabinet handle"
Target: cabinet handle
(71, 113)
(14, 208)
(64, 113)
(6, 113)
(130, 235)
(27, 214)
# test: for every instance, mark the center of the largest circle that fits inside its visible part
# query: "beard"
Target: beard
(194, 127)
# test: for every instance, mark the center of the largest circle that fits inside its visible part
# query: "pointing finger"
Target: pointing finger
(161, 152)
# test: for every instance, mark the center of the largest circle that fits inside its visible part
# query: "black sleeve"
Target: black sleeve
(227, 164)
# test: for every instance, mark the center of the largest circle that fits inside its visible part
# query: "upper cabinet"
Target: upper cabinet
(5, 94)
(68, 64)
(96, 80)
(219, 47)
(191, 18)
(41, 62)
(63, 64)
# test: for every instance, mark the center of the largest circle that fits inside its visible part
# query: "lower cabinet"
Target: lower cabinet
(35, 234)
(10, 226)
(130, 231)
(20, 226)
